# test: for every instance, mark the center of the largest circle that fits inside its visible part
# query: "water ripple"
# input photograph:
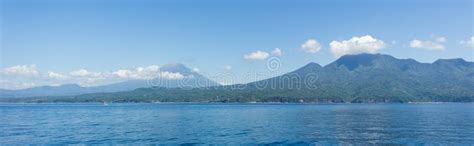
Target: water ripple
(191, 124)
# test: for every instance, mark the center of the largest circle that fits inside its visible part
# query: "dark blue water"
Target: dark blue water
(235, 124)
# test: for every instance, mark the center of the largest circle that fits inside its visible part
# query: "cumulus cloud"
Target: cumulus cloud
(88, 78)
(427, 45)
(24, 76)
(277, 52)
(21, 70)
(123, 73)
(57, 76)
(142, 73)
(468, 43)
(436, 44)
(258, 55)
(84, 73)
(139, 73)
(171, 75)
(311, 46)
(356, 45)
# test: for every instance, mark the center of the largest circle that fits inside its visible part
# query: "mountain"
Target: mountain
(67, 89)
(351, 78)
(191, 80)
(380, 78)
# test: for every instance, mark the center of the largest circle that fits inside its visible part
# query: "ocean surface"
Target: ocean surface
(446, 123)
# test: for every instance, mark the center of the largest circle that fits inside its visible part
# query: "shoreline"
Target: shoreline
(228, 103)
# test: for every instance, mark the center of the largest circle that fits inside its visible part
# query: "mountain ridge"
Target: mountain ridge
(351, 78)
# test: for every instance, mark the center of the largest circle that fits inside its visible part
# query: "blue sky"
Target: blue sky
(213, 36)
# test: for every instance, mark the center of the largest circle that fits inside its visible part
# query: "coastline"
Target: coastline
(227, 103)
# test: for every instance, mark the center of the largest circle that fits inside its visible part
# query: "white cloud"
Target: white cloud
(436, 44)
(356, 45)
(82, 77)
(427, 45)
(147, 73)
(171, 75)
(142, 73)
(440, 39)
(123, 73)
(195, 69)
(21, 70)
(468, 43)
(153, 68)
(311, 46)
(57, 76)
(87, 78)
(277, 52)
(228, 67)
(258, 55)
(84, 73)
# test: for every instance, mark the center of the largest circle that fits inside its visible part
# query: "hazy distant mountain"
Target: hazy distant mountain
(68, 89)
(191, 80)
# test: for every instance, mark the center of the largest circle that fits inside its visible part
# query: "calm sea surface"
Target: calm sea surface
(448, 123)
